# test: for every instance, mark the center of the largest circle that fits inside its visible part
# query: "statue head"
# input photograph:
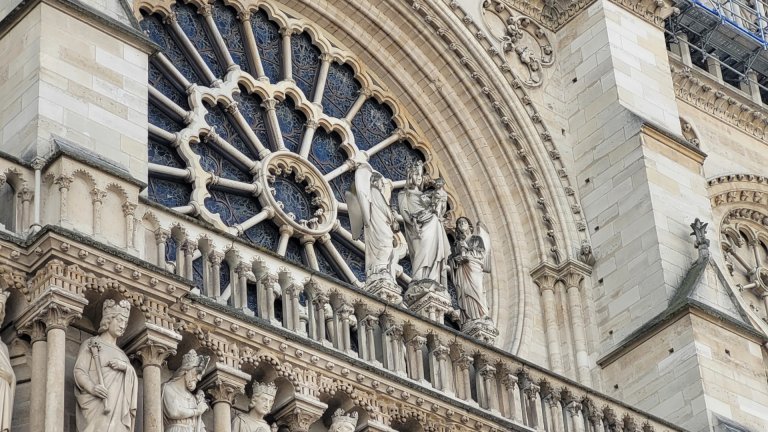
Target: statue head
(191, 369)
(377, 180)
(262, 398)
(439, 183)
(414, 175)
(114, 317)
(463, 227)
(341, 422)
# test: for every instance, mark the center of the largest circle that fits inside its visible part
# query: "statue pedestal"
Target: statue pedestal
(385, 288)
(481, 329)
(428, 299)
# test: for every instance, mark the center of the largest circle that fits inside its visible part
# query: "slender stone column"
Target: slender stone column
(441, 354)
(161, 239)
(572, 282)
(487, 375)
(464, 362)
(319, 301)
(344, 312)
(555, 412)
(514, 407)
(97, 197)
(240, 293)
(57, 318)
(36, 331)
(64, 182)
(213, 288)
(322, 76)
(186, 269)
(576, 420)
(546, 282)
(415, 355)
(254, 59)
(129, 211)
(25, 195)
(535, 408)
(224, 383)
(153, 346)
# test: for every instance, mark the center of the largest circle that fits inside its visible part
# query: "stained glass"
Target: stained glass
(291, 123)
(162, 120)
(294, 251)
(224, 276)
(162, 154)
(305, 62)
(160, 82)
(249, 106)
(226, 128)
(341, 184)
(267, 34)
(251, 292)
(293, 197)
(372, 124)
(232, 208)
(326, 153)
(193, 26)
(264, 234)
(324, 263)
(214, 162)
(159, 34)
(197, 272)
(229, 28)
(169, 193)
(170, 249)
(392, 162)
(341, 90)
(354, 260)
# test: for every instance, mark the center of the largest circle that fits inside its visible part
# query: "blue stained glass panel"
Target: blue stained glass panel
(161, 83)
(170, 249)
(232, 208)
(341, 184)
(341, 90)
(305, 62)
(193, 26)
(264, 234)
(326, 153)
(197, 273)
(160, 119)
(293, 197)
(226, 128)
(344, 220)
(392, 162)
(251, 292)
(292, 122)
(229, 28)
(372, 124)
(294, 251)
(216, 163)
(453, 293)
(224, 277)
(163, 154)
(249, 106)
(267, 34)
(158, 33)
(169, 193)
(324, 264)
(354, 260)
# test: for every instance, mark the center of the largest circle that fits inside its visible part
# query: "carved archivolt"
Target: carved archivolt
(525, 43)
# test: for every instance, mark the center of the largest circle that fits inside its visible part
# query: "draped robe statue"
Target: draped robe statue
(422, 212)
(106, 386)
(182, 409)
(263, 396)
(470, 260)
(371, 215)
(7, 377)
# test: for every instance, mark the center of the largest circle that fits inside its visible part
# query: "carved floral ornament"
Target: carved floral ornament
(525, 43)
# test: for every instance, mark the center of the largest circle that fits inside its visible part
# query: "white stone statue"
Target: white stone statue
(106, 386)
(370, 214)
(7, 377)
(423, 211)
(341, 422)
(261, 404)
(470, 260)
(182, 409)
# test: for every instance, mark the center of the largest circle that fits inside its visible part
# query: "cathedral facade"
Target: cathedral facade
(383, 215)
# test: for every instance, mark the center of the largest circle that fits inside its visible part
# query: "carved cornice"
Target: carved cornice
(738, 190)
(651, 11)
(698, 89)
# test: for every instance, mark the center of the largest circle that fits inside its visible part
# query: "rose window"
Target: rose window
(254, 126)
(745, 247)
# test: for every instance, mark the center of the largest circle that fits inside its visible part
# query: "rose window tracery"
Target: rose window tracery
(745, 247)
(256, 126)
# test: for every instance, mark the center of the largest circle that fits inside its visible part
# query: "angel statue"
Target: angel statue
(470, 260)
(371, 216)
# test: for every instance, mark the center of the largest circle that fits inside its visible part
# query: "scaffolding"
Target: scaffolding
(731, 35)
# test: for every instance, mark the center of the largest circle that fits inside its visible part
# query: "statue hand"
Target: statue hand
(117, 365)
(202, 407)
(100, 391)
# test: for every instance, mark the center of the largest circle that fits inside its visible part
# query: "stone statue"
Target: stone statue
(261, 404)
(423, 211)
(585, 254)
(182, 409)
(370, 215)
(7, 377)
(702, 242)
(470, 260)
(106, 386)
(341, 422)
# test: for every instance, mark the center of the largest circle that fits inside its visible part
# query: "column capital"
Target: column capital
(55, 308)
(574, 408)
(300, 413)
(35, 329)
(224, 383)
(153, 345)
